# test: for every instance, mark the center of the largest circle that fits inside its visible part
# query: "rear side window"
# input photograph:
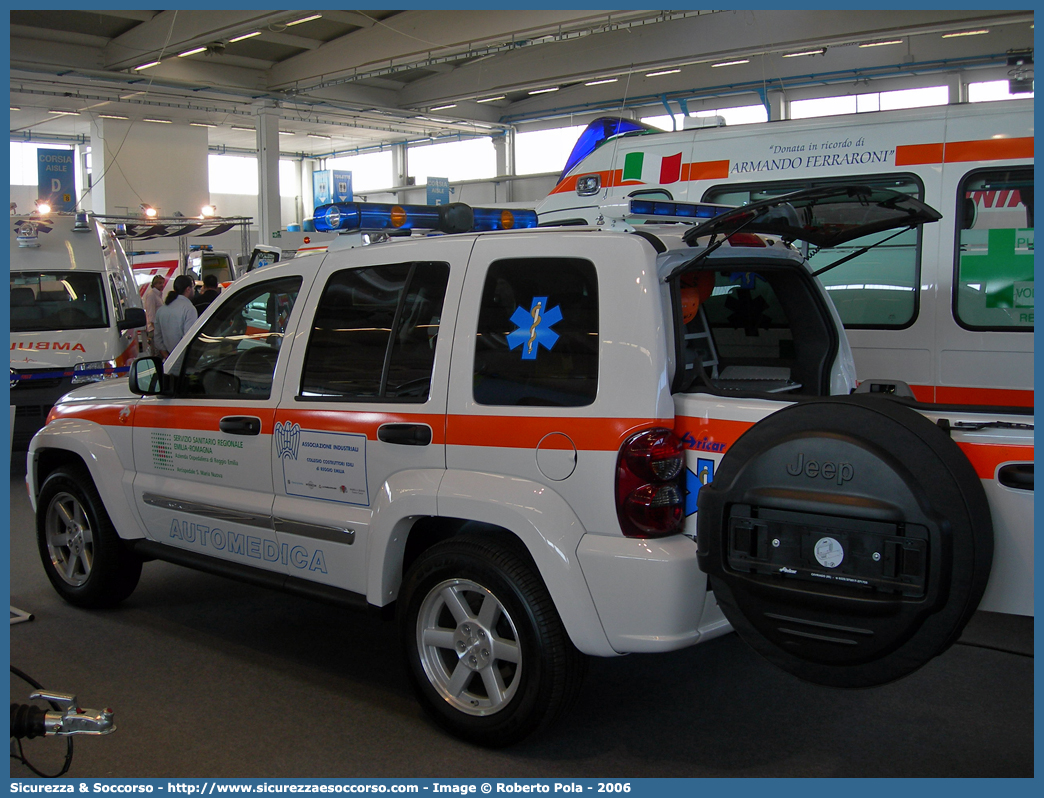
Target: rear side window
(876, 290)
(993, 287)
(374, 333)
(537, 340)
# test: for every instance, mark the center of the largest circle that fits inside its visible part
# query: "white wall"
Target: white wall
(162, 165)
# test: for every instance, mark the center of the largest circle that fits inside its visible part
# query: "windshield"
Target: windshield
(57, 301)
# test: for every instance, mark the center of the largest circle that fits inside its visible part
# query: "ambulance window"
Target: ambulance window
(67, 300)
(993, 262)
(876, 290)
(537, 340)
(234, 355)
(119, 295)
(374, 334)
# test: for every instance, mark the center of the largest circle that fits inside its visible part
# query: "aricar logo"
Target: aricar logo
(653, 169)
(287, 440)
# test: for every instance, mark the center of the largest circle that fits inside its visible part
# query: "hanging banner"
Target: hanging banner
(438, 191)
(55, 181)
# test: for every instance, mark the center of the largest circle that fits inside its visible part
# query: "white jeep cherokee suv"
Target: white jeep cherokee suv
(548, 443)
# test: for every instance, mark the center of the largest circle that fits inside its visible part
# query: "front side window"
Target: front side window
(537, 338)
(876, 290)
(57, 301)
(234, 355)
(374, 334)
(993, 287)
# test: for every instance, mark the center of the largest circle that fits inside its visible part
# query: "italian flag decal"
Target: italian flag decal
(655, 169)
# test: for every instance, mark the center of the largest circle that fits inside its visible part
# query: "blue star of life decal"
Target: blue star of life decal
(534, 328)
(694, 480)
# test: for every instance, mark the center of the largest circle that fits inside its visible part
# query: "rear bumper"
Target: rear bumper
(650, 594)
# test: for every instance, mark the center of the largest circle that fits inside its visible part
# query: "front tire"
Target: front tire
(486, 650)
(83, 556)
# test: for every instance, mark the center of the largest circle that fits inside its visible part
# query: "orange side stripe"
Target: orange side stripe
(362, 423)
(711, 431)
(200, 418)
(708, 170)
(954, 395)
(912, 154)
(588, 434)
(985, 457)
(988, 150)
(105, 414)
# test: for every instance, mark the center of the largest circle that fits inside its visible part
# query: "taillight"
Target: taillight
(650, 501)
(746, 240)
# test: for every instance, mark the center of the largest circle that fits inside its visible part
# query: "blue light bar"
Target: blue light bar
(676, 210)
(453, 218)
(503, 219)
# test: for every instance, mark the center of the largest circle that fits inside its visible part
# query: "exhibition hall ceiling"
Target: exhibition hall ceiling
(344, 80)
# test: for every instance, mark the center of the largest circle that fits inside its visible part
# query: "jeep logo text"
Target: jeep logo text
(842, 472)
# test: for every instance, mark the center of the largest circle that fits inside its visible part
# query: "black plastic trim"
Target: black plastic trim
(249, 574)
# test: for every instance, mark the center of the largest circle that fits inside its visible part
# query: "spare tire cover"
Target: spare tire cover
(848, 540)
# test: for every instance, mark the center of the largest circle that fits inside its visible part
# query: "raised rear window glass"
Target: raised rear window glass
(876, 290)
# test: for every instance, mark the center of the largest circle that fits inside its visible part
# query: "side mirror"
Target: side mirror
(132, 319)
(146, 377)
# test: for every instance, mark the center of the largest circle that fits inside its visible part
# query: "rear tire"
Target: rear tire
(82, 554)
(487, 653)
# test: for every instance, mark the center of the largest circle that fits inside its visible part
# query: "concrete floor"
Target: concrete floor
(212, 678)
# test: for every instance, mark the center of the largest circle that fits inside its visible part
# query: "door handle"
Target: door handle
(240, 425)
(1016, 475)
(405, 434)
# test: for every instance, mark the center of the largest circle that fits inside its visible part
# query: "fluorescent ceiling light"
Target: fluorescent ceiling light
(287, 133)
(159, 121)
(882, 44)
(304, 19)
(318, 136)
(479, 124)
(965, 33)
(59, 112)
(15, 108)
(192, 52)
(544, 91)
(240, 127)
(111, 116)
(663, 72)
(443, 107)
(820, 51)
(732, 63)
(245, 36)
(146, 66)
(201, 124)
(600, 82)
(491, 99)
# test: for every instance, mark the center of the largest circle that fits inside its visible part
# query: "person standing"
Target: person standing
(153, 301)
(210, 293)
(176, 316)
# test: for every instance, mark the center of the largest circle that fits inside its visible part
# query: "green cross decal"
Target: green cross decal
(999, 269)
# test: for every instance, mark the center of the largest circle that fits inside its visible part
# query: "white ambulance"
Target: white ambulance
(546, 444)
(947, 310)
(75, 313)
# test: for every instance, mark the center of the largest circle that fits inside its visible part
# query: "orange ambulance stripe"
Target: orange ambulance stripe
(200, 418)
(700, 170)
(955, 395)
(362, 423)
(985, 457)
(962, 151)
(588, 434)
